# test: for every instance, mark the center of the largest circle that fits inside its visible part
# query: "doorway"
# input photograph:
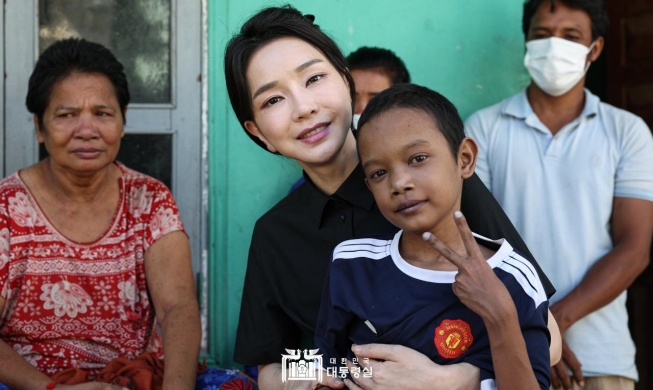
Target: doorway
(628, 82)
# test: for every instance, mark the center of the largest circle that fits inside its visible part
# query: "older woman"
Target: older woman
(93, 255)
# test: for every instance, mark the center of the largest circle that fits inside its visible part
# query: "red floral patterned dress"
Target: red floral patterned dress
(80, 305)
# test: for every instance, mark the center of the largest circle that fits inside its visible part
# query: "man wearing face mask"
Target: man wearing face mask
(575, 175)
(374, 70)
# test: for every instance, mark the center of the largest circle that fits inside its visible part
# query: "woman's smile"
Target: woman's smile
(314, 134)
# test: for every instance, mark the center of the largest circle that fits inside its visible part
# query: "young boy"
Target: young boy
(433, 287)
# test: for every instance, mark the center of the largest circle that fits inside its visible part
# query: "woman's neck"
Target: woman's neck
(75, 187)
(328, 177)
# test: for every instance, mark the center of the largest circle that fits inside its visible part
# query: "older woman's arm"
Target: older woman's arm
(15, 371)
(18, 374)
(169, 276)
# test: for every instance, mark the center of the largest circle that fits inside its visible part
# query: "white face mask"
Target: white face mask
(355, 120)
(556, 65)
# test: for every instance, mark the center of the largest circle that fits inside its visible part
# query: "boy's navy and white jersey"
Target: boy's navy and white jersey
(372, 295)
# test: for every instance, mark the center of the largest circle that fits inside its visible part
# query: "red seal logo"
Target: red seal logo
(453, 338)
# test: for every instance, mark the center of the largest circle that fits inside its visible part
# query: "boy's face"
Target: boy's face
(409, 167)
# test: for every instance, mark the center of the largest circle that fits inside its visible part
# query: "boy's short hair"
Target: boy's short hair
(406, 95)
(594, 8)
(369, 58)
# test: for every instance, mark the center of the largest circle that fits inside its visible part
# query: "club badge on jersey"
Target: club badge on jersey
(453, 338)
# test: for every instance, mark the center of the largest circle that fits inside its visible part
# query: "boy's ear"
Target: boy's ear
(467, 153)
(251, 128)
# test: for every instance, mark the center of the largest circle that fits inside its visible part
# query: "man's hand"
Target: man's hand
(559, 373)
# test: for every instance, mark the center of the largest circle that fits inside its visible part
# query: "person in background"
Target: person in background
(585, 173)
(93, 255)
(374, 70)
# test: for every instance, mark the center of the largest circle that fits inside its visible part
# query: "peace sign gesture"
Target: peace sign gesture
(480, 289)
(476, 285)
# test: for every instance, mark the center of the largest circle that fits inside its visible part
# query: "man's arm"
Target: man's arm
(632, 228)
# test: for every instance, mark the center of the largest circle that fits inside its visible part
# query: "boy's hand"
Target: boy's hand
(476, 285)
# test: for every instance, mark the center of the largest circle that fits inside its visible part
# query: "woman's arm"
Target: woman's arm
(15, 371)
(169, 276)
(555, 348)
(18, 374)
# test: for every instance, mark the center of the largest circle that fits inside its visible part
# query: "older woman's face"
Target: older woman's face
(82, 124)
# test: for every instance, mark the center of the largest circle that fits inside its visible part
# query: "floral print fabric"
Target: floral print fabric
(80, 305)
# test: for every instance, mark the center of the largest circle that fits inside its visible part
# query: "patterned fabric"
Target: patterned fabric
(215, 379)
(221, 379)
(70, 304)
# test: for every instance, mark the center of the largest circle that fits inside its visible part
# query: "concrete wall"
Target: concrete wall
(469, 50)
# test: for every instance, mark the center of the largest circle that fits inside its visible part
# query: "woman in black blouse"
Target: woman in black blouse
(292, 93)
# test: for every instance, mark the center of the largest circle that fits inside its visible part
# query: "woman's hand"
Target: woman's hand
(269, 378)
(399, 367)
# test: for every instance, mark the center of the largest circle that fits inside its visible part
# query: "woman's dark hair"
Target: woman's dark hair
(366, 58)
(68, 56)
(406, 95)
(594, 8)
(267, 25)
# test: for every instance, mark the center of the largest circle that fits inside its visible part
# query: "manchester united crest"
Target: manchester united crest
(453, 338)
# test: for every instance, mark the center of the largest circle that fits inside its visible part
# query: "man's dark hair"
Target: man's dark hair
(438, 107)
(368, 58)
(594, 8)
(267, 25)
(69, 56)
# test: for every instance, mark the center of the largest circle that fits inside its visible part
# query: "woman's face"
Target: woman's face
(301, 103)
(82, 124)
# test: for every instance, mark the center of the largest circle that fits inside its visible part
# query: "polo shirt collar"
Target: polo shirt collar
(353, 190)
(518, 105)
